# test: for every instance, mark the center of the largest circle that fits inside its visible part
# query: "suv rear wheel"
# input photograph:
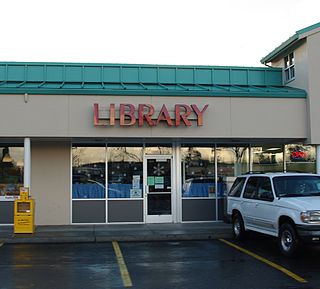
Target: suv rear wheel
(238, 227)
(288, 240)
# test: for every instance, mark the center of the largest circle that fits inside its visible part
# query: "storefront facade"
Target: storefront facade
(100, 143)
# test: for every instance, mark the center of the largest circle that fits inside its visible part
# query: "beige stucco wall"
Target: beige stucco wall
(313, 42)
(301, 67)
(307, 69)
(226, 117)
(50, 182)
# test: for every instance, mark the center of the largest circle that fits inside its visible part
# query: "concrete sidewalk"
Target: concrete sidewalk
(105, 233)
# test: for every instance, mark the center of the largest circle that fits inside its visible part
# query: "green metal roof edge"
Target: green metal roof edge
(287, 92)
(133, 65)
(278, 50)
(135, 73)
(309, 28)
(288, 43)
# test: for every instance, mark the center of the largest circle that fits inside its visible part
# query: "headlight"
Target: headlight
(310, 216)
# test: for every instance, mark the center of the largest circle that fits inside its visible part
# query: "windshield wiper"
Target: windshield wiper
(300, 195)
(314, 194)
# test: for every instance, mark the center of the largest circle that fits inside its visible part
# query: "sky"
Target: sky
(176, 32)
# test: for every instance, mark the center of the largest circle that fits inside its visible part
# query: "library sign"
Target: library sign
(126, 114)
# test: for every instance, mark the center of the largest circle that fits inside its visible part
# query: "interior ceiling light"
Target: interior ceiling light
(273, 149)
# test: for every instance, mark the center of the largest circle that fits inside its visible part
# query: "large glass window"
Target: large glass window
(300, 158)
(158, 150)
(125, 172)
(268, 158)
(88, 172)
(11, 171)
(232, 162)
(198, 172)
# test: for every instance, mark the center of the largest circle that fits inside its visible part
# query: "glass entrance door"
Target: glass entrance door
(158, 180)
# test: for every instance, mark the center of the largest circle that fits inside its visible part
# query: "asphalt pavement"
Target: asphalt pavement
(118, 232)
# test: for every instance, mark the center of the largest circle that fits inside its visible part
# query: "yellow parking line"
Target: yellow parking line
(122, 265)
(23, 266)
(274, 265)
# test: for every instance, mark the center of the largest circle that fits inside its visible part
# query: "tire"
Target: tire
(288, 240)
(238, 227)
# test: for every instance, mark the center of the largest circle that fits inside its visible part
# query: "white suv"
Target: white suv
(284, 205)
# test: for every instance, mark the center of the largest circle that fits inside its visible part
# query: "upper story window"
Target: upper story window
(289, 67)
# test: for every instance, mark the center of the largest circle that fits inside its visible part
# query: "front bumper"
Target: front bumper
(309, 233)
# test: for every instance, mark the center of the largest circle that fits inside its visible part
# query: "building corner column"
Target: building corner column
(27, 163)
(318, 159)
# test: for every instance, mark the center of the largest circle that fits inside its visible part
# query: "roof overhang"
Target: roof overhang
(291, 43)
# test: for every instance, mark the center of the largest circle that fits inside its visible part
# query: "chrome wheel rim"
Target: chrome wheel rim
(286, 240)
(236, 227)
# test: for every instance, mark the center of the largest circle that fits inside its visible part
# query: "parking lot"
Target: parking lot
(181, 264)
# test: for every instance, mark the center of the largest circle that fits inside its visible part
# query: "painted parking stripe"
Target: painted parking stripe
(274, 265)
(122, 265)
(1, 244)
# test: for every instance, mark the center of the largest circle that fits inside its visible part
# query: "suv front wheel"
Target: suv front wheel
(288, 240)
(238, 227)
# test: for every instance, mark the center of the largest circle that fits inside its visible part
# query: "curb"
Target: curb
(108, 238)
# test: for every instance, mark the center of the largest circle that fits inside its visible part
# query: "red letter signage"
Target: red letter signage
(199, 113)
(126, 114)
(164, 115)
(129, 114)
(184, 116)
(147, 116)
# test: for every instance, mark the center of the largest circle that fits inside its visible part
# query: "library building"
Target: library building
(130, 144)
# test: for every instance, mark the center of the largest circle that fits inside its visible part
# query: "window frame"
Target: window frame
(7, 196)
(289, 67)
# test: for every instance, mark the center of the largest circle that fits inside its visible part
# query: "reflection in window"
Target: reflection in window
(11, 171)
(300, 158)
(198, 172)
(268, 158)
(88, 172)
(162, 150)
(125, 172)
(232, 162)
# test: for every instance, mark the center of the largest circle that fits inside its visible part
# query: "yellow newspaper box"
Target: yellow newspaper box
(24, 213)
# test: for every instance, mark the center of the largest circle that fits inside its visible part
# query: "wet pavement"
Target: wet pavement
(158, 265)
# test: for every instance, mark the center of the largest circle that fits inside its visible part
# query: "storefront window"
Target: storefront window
(268, 158)
(198, 172)
(232, 161)
(161, 150)
(11, 171)
(125, 172)
(88, 172)
(300, 158)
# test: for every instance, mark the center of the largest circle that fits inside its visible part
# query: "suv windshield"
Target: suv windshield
(297, 186)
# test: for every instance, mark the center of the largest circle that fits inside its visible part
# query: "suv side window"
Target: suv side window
(251, 188)
(264, 191)
(236, 188)
(258, 188)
